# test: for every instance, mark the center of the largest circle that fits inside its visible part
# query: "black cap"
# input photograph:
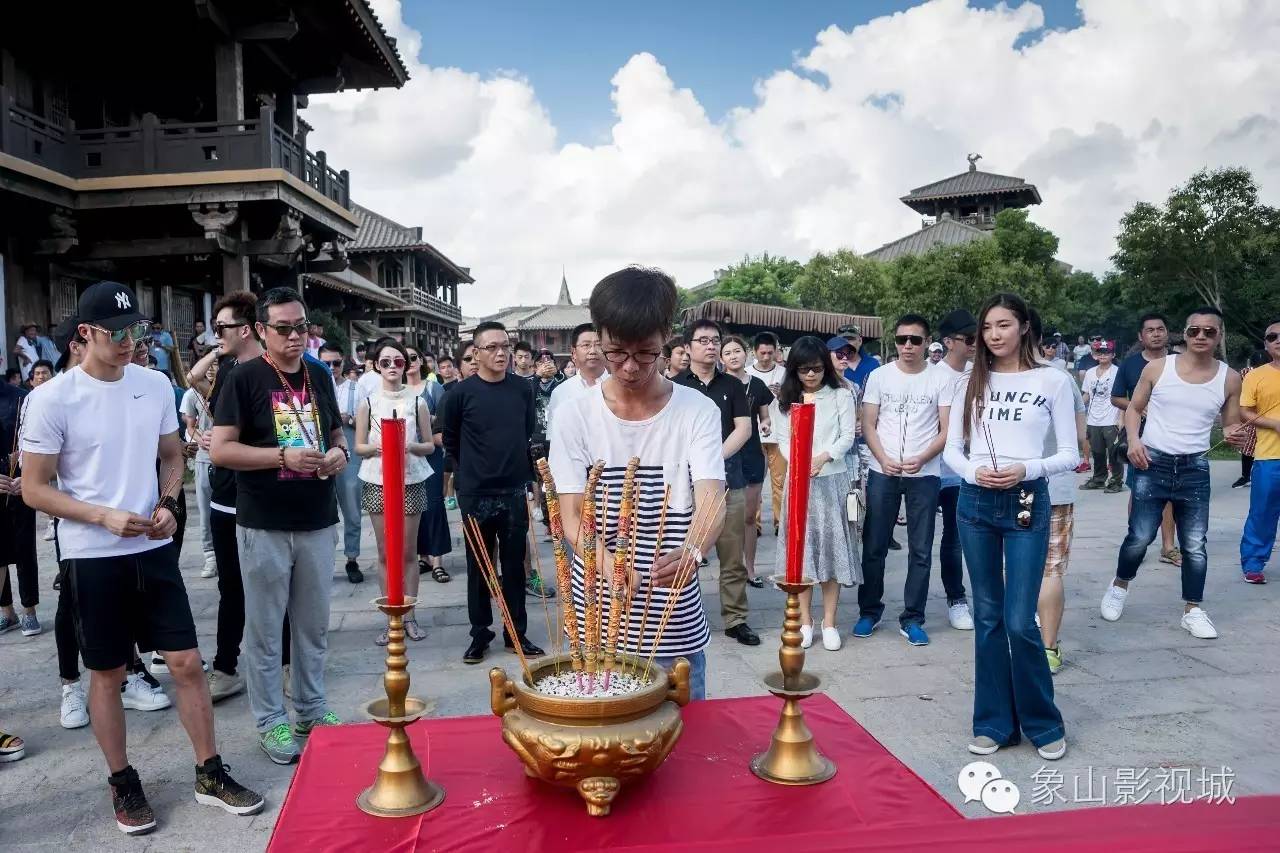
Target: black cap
(109, 305)
(546, 352)
(958, 322)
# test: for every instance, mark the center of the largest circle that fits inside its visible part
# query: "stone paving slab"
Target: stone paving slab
(1140, 694)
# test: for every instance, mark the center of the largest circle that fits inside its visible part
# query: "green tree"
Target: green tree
(1211, 242)
(1020, 239)
(765, 280)
(842, 281)
(334, 332)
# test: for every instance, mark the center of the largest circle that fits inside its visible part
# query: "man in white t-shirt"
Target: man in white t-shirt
(98, 429)
(1103, 421)
(586, 355)
(771, 372)
(905, 432)
(675, 432)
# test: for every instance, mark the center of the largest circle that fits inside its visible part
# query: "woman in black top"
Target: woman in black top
(733, 354)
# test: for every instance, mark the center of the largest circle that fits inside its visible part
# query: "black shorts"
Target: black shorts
(120, 602)
(753, 465)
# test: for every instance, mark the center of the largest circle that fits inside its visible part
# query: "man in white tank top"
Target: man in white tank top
(1181, 396)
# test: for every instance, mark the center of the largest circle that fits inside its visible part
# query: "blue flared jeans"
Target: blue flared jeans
(1013, 690)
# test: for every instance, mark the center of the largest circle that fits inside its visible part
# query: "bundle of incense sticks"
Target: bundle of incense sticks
(170, 484)
(537, 567)
(686, 569)
(590, 577)
(476, 540)
(623, 546)
(564, 569)
(648, 593)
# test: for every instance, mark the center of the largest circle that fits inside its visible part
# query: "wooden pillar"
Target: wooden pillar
(228, 63)
(235, 268)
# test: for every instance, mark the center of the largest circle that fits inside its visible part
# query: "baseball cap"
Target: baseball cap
(958, 322)
(935, 347)
(544, 352)
(109, 305)
(1057, 334)
(850, 330)
(837, 343)
(1105, 346)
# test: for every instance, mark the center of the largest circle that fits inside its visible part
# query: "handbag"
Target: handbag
(855, 502)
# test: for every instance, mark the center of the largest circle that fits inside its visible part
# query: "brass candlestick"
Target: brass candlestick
(400, 789)
(793, 758)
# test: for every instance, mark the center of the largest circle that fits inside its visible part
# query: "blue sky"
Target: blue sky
(570, 50)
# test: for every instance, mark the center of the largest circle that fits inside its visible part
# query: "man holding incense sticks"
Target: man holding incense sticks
(487, 421)
(99, 429)
(276, 424)
(679, 484)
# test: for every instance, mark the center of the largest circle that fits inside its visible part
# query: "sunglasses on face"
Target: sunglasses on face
(333, 362)
(1272, 337)
(219, 328)
(414, 357)
(492, 348)
(137, 332)
(466, 359)
(914, 340)
(844, 354)
(397, 362)
(1208, 332)
(285, 330)
(810, 370)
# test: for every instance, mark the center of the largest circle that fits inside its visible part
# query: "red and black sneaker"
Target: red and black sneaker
(1255, 577)
(133, 815)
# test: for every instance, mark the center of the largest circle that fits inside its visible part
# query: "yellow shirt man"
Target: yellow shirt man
(1261, 393)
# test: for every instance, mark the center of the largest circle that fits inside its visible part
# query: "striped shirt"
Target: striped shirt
(678, 446)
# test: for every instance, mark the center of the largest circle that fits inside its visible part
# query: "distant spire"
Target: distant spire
(565, 298)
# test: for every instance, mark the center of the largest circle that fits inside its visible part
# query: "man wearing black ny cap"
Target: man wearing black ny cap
(99, 429)
(958, 331)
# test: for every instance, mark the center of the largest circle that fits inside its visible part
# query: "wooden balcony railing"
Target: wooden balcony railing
(419, 298)
(155, 147)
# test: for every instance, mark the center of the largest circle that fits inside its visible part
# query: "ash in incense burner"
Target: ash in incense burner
(571, 684)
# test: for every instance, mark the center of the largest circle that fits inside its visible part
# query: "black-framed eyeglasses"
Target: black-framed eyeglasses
(810, 369)
(620, 356)
(1025, 501)
(1209, 332)
(134, 331)
(1272, 337)
(706, 341)
(285, 330)
(492, 348)
(219, 328)
(914, 340)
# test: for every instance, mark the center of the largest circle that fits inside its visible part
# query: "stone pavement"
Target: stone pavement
(1138, 695)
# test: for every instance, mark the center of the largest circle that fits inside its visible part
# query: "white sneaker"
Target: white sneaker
(159, 667)
(49, 532)
(1113, 602)
(831, 638)
(806, 636)
(210, 569)
(138, 695)
(75, 706)
(1197, 622)
(959, 616)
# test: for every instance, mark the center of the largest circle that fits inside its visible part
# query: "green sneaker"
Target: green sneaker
(1092, 483)
(534, 586)
(303, 728)
(279, 745)
(450, 503)
(1055, 660)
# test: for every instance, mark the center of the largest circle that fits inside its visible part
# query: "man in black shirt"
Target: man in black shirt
(730, 397)
(487, 422)
(276, 423)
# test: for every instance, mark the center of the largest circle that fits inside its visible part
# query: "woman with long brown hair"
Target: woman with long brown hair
(998, 428)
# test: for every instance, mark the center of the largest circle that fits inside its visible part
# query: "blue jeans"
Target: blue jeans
(950, 555)
(1184, 482)
(884, 494)
(348, 489)
(1013, 690)
(1259, 535)
(697, 672)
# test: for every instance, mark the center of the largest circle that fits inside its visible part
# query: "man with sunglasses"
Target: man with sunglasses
(730, 397)
(1182, 397)
(1260, 406)
(903, 422)
(487, 421)
(99, 429)
(276, 424)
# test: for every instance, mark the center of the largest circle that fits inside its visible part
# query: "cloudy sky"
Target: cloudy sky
(685, 135)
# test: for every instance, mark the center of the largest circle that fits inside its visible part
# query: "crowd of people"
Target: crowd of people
(979, 426)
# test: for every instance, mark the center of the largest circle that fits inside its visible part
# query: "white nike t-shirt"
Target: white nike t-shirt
(106, 435)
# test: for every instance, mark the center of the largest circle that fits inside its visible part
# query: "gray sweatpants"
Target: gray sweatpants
(291, 571)
(203, 493)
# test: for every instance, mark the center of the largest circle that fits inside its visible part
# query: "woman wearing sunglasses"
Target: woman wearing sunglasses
(999, 421)
(830, 550)
(393, 399)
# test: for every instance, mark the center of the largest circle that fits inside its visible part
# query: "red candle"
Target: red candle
(798, 487)
(393, 505)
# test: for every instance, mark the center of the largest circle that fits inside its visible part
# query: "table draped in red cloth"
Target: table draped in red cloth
(704, 792)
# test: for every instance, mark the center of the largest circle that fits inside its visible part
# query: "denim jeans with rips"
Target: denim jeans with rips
(1181, 480)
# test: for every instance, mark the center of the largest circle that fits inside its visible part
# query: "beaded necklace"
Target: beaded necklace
(297, 412)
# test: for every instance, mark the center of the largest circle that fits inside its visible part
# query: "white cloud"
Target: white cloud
(1119, 109)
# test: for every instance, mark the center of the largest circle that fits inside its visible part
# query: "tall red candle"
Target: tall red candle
(798, 487)
(393, 505)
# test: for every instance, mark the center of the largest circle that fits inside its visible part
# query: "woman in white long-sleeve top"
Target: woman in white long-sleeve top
(998, 424)
(830, 551)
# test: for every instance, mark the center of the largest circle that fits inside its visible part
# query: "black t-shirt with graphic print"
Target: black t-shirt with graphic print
(268, 415)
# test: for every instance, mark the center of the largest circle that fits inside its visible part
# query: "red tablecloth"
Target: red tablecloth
(703, 795)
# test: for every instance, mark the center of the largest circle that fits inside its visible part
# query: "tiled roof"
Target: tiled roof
(377, 233)
(535, 317)
(783, 319)
(377, 35)
(944, 232)
(971, 183)
(349, 281)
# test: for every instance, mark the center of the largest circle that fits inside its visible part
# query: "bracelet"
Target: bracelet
(282, 467)
(170, 503)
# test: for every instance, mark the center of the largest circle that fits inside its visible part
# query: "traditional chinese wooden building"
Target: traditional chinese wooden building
(160, 142)
(547, 326)
(749, 319)
(958, 209)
